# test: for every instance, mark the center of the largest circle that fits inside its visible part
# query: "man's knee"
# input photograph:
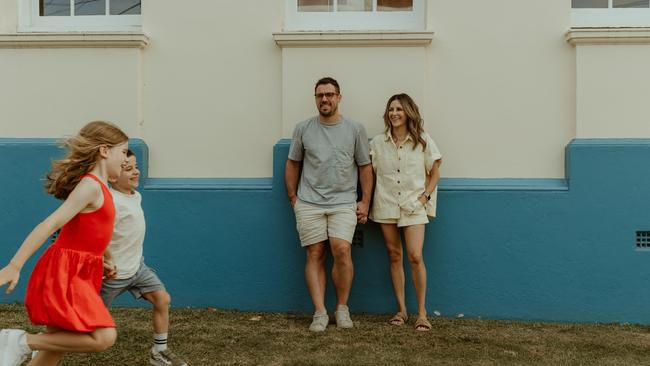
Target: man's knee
(316, 252)
(341, 251)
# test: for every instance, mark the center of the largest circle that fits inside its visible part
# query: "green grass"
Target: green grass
(215, 337)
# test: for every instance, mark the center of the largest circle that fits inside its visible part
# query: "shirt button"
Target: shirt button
(398, 170)
(399, 193)
(397, 182)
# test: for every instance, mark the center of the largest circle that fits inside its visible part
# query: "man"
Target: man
(331, 150)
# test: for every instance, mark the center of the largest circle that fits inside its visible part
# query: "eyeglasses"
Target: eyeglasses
(326, 95)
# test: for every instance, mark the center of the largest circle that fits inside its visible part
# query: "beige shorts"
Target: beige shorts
(417, 218)
(318, 223)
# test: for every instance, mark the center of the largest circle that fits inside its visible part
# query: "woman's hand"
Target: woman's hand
(9, 275)
(423, 200)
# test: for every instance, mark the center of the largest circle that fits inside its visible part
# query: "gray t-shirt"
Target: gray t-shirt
(331, 154)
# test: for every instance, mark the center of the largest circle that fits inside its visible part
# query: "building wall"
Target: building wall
(555, 249)
(497, 93)
(612, 88)
(531, 226)
(52, 92)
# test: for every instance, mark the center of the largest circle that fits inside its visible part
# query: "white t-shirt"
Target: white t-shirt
(128, 233)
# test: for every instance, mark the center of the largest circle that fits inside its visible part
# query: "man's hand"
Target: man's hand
(293, 200)
(362, 212)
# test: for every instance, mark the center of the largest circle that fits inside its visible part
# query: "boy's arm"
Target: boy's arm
(110, 269)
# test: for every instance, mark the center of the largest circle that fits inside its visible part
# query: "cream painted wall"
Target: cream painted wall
(53, 92)
(367, 77)
(8, 16)
(501, 94)
(212, 92)
(613, 84)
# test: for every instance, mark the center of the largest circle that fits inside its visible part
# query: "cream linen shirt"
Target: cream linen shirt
(402, 174)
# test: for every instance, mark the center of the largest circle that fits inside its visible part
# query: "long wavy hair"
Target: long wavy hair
(83, 154)
(414, 123)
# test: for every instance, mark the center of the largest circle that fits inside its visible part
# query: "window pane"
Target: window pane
(54, 7)
(354, 5)
(396, 5)
(576, 4)
(631, 3)
(89, 7)
(121, 7)
(315, 5)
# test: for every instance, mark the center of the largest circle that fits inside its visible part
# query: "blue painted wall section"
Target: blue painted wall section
(534, 249)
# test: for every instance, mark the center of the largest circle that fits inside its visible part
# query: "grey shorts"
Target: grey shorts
(143, 282)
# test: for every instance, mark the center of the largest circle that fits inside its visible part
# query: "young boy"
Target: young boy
(124, 265)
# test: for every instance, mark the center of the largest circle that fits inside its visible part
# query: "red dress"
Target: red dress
(63, 291)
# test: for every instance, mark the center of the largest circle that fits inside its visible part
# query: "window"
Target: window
(80, 15)
(610, 13)
(333, 15)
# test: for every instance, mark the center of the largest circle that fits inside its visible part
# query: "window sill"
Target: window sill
(596, 36)
(319, 39)
(74, 40)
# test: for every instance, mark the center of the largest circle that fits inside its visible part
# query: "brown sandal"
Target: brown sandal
(399, 319)
(422, 325)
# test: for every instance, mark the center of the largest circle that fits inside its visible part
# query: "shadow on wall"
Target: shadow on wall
(534, 249)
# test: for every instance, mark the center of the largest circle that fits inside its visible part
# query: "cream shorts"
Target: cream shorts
(405, 219)
(318, 223)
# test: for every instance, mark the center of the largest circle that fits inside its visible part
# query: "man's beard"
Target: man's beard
(328, 114)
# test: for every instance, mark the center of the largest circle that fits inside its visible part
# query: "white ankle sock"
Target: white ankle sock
(159, 342)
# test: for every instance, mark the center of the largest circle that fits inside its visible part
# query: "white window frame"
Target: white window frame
(610, 17)
(31, 21)
(355, 20)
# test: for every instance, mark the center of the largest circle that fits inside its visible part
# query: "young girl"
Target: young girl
(405, 161)
(63, 291)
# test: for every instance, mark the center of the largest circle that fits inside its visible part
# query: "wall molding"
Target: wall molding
(608, 36)
(324, 39)
(74, 40)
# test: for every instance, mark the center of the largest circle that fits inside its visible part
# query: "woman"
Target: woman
(406, 163)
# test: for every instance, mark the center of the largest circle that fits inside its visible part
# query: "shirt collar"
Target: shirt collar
(389, 137)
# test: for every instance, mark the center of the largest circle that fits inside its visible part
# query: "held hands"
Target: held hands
(9, 275)
(362, 212)
(110, 269)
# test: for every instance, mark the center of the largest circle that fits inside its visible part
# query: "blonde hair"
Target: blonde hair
(83, 154)
(414, 123)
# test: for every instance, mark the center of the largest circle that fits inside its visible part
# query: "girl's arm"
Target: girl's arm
(434, 177)
(84, 195)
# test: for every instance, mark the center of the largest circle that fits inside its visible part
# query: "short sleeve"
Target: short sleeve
(296, 149)
(361, 147)
(431, 153)
(373, 153)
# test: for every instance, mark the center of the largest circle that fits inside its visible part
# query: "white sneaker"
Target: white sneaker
(319, 322)
(11, 352)
(165, 358)
(342, 316)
